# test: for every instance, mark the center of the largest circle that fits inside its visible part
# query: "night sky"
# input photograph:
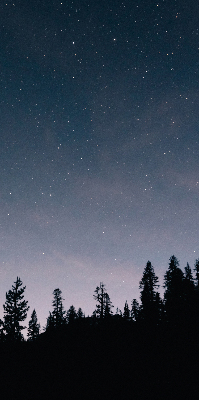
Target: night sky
(99, 146)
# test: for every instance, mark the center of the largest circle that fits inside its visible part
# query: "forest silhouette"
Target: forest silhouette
(147, 351)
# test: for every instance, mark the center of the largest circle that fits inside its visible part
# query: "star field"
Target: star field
(99, 146)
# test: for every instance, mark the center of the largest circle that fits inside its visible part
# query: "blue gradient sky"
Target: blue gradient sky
(99, 149)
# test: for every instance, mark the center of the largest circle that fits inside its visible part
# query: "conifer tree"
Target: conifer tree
(118, 312)
(174, 293)
(71, 315)
(148, 284)
(188, 274)
(197, 273)
(135, 310)
(99, 297)
(58, 312)
(104, 305)
(126, 313)
(34, 327)
(50, 324)
(108, 306)
(196, 297)
(80, 313)
(188, 282)
(15, 311)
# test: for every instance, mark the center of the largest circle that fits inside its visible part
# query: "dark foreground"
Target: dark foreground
(103, 362)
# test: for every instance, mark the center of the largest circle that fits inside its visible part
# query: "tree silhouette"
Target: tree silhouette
(108, 306)
(15, 311)
(188, 283)
(174, 293)
(80, 313)
(34, 327)
(196, 297)
(135, 310)
(126, 313)
(148, 284)
(58, 309)
(50, 324)
(104, 305)
(197, 273)
(71, 315)
(118, 314)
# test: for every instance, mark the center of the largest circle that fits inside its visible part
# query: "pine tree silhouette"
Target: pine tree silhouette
(104, 304)
(15, 311)
(148, 284)
(33, 327)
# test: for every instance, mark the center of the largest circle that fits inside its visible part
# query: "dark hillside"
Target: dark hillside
(114, 360)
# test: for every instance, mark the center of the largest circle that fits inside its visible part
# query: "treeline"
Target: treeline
(149, 350)
(179, 306)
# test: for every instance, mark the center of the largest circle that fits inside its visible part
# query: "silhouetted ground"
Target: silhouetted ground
(117, 361)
